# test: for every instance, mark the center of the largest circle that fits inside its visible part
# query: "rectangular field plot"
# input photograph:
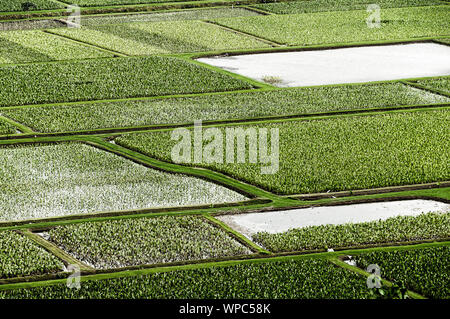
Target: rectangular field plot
(321, 228)
(304, 278)
(347, 65)
(20, 5)
(131, 242)
(425, 271)
(309, 6)
(440, 84)
(162, 37)
(107, 79)
(65, 179)
(335, 154)
(345, 26)
(34, 46)
(90, 116)
(19, 256)
(199, 14)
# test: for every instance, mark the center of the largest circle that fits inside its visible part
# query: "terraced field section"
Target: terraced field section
(336, 153)
(133, 242)
(425, 271)
(302, 278)
(89, 116)
(310, 6)
(202, 14)
(107, 79)
(440, 84)
(19, 256)
(19, 5)
(43, 181)
(345, 27)
(429, 226)
(162, 37)
(37, 46)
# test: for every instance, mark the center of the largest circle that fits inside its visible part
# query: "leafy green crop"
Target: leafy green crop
(308, 6)
(34, 46)
(345, 26)
(441, 84)
(336, 154)
(395, 229)
(65, 179)
(306, 278)
(19, 256)
(162, 37)
(219, 107)
(107, 79)
(19, 5)
(202, 14)
(89, 3)
(6, 128)
(129, 242)
(425, 271)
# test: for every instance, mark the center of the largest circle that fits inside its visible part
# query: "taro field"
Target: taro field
(158, 150)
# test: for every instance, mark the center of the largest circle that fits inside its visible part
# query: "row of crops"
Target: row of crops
(42, 181)
(144, 38)
(429, 226)
(109, 79)
(304, 6)
(335, 154)
(132, 242)
(424, 270)
(19, 256)
(88, 116)
(101, 87)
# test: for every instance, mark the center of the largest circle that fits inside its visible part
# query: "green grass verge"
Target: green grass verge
(331, 154)
(425, 271)
(440, 84)
(43, 181)
(127, 113)
(345, 26)
(94, 3)
(396, 229)
(162, 37)
(6, 128)
(19, 256)
(109, 78)
(305, 278)
(309, 6)
(132, 242)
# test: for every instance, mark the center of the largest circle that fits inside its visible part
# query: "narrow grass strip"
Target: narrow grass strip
(241, 237)
(55, 250)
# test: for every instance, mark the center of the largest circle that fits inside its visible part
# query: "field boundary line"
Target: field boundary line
(210, 123)
(21, 127)
(201, 265)
(370, 191)
(65, 257)
(249, 190)
(336, 261)
(251, 206)
(314, 47)
(237, 235)
(260, 39)
(84, 43)
(254, 83)
(426, 88)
